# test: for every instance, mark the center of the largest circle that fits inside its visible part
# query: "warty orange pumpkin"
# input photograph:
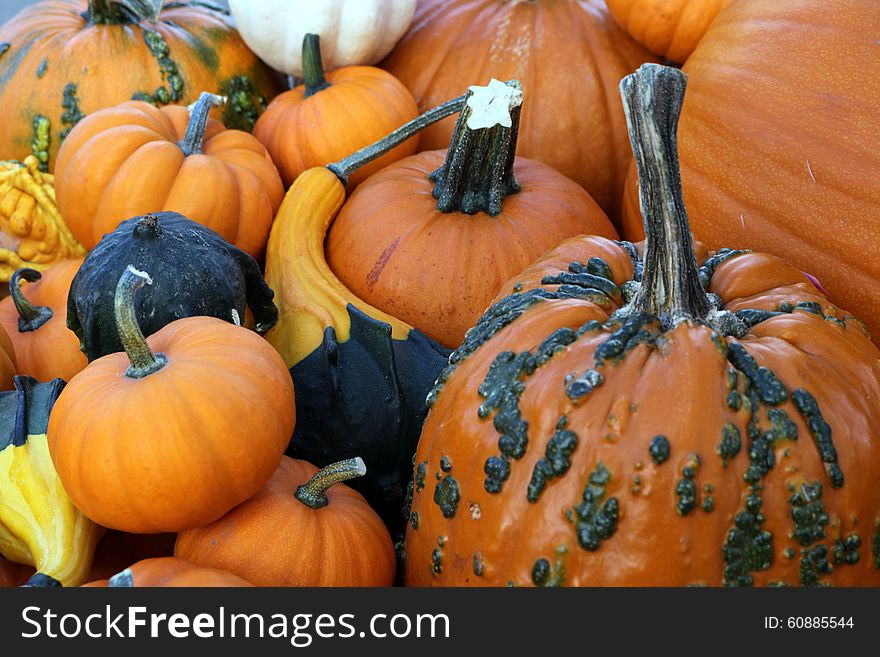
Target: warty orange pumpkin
(35, 322)
(327, 117)
(133, 159)
(778, 141)
(61, 60)
(431, 238)
(304, 528)
(568, 55)
(622, 416)
(192, 421)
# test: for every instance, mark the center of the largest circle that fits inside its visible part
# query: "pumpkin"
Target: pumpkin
(568, 56)
(192, 422)
(326, 118)
(64, 59)
(8, 365)
(170, 572)
(304, 528)
(668, 28)
(32, 232)
(621, 416)
(360, 375)
(134, 158)
(118, 550)
(355, 32)
(39, 524)
(35, 322)
(779, 155)
(197, 273)
(432, 238)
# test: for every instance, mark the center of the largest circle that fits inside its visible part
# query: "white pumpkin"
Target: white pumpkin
(352, 31)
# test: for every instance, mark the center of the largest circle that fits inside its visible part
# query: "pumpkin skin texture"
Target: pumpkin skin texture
(668, 28)
(274, 539)
(451, 43)
(197, 379)
(32, 232)
(44, 347)
(168, 572)
(133, 159)
(355, 32)
(8, 366)
(197, 274)
(734, 447)
(780, 156)
(59, 68)
(323, 120)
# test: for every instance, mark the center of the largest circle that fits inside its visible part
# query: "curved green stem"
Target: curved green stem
(313, 493)
(143, 361)
(194, 137)
(348, 165)
(313, 65)
(122, 12)
(670, 287)
(478, 172)
(30, 317)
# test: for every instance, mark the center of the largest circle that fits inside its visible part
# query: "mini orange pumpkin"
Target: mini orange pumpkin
(431, 238)
(169, 572)
(133, 159)
(8, 367)
(35, 322)
(299, 530)
(325, 119)
(177, 430)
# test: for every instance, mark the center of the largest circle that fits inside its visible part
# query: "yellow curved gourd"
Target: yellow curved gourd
(39, 525)
(32, 231)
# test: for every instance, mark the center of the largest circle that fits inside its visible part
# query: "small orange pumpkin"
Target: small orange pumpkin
(168, 572)
(35, 322)
(177, 430)
(299, 530)
(133, 159)
(8, 367)
(326, 118)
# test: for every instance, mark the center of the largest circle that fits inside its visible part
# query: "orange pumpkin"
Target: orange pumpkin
(192, 421)
(778, 141)
(299, 530)
(668, 28)
(133, 159)
(569, 56)
(169, 572)
(326, 118)
(35, 322)
(657, 423)
(8, 367)
(61, 60)
(431, 238)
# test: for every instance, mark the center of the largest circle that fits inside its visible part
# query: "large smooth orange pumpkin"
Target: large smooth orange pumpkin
(133, 159)
(779, 137)
(304, 528)
(431, 238)
(569, 56)
(35, 316)
(327, 117)
(669, 28)
(658, 423)
(61, 60)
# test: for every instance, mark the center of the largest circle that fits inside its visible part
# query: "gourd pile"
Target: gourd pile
(440, 293)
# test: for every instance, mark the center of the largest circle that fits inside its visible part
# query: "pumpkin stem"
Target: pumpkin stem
(143, 361)
(194, 137)
(670, 287)
(348, 165)
(30, 317)
(122, 12)
(313, 493)
(478, 172)
(313, 65)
